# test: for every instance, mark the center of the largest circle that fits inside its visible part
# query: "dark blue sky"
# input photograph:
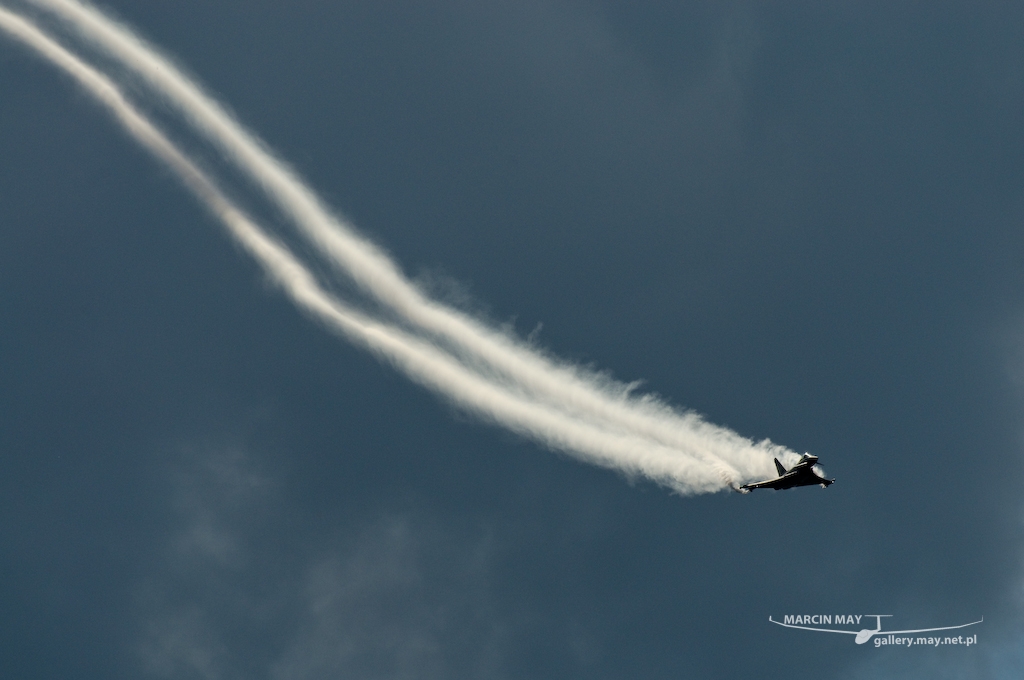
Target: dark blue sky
(801, 220)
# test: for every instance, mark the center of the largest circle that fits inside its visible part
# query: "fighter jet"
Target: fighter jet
(802, 474)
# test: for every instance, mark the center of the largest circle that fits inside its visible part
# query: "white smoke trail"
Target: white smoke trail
(423, 362)
(562, 386)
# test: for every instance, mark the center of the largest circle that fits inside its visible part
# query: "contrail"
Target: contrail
(647, 428)
(426, 364)
(566, 387)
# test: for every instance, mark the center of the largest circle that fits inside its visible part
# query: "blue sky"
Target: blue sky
(802, 221)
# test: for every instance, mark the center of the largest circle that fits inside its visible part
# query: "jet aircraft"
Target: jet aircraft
(801, 474)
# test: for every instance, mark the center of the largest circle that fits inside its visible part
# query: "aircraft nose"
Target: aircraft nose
(863, 636)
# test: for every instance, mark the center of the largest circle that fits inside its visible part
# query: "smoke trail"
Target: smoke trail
(562, 386)
(423, 362)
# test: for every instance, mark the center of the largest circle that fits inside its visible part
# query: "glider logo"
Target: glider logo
(882, 637)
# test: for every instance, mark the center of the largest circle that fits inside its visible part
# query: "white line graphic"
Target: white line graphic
(866, 634)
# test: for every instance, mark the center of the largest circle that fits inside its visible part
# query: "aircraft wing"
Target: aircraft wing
(927, 630)
(766, 484)
(826, 630)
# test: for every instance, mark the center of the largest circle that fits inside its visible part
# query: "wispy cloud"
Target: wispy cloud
(390, 597)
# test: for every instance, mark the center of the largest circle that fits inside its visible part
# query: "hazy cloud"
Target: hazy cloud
(399, 597)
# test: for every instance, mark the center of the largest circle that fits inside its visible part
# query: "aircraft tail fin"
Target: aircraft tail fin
(778, 466)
